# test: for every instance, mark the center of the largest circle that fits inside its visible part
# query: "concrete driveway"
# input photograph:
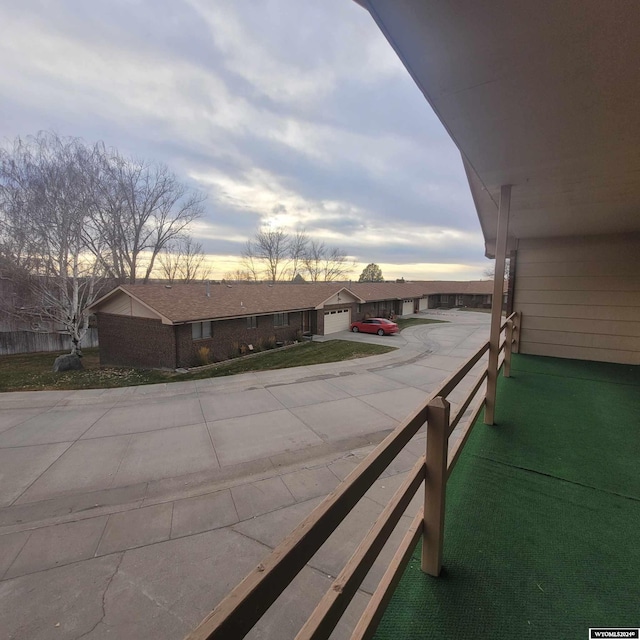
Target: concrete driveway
(129, 513)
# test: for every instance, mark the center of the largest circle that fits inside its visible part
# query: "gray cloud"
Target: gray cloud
(285, 112)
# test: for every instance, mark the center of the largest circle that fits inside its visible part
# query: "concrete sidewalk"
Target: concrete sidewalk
(128, 513)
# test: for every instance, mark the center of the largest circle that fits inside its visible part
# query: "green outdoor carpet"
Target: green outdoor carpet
(542, 536)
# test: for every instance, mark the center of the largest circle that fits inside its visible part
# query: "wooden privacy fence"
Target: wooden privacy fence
(14, 342)
(235, 616)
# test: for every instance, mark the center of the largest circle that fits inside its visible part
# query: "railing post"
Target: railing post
(516, 332)
(502, 233)
(507, 349)
(435, 484)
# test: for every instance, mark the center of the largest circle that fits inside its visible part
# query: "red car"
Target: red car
(375, 325)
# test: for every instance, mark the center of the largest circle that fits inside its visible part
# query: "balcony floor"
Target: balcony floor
(543, 514)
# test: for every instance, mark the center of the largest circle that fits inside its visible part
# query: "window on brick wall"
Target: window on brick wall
(252, 322)
(201, 330)
(280, 319)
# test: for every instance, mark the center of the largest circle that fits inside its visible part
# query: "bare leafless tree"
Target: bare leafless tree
(279, 255)
(250, 263)
(268, 251)
(313, 260)
(239, 275)
(324, 264)
(298, 247)
(336, 265)
(144, 209)
(47, 202)
(183, 260)
(490, 272)
(72, 214)
(168, 265)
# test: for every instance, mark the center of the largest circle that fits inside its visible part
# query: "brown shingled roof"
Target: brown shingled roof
(371, 291)
(470, 287)
(189, 302)
(180, 303)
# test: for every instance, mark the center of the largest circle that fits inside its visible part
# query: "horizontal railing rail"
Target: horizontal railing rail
(338, 597)
(238, 613)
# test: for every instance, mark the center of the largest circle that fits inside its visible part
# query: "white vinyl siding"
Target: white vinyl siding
(580, 298)
(337, 320)
(122, 304)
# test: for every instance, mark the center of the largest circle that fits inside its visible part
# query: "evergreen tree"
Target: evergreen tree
(371, 273)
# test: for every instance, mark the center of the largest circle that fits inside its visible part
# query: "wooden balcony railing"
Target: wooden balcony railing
(236, 615)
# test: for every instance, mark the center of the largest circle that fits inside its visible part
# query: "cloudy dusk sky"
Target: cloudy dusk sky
(290, 113)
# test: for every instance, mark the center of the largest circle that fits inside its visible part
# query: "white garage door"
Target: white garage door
(407, 307)
(336, 320)
(424, 304)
